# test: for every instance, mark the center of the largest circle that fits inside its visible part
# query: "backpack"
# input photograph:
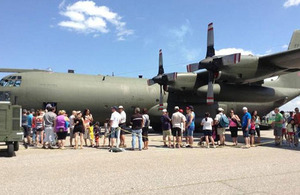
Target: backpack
(223, 122)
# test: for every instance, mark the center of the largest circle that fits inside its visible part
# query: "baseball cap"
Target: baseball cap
(114, 107)
(176, 108)
(121, 107)
(245, 108)
(220, 109)
(164, 110)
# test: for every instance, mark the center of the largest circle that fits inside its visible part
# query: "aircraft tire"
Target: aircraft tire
(10, 150)
(16, 146)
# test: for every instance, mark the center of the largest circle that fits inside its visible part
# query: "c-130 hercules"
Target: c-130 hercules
(231, 81)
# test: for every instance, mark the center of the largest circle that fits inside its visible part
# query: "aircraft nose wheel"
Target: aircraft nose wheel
(10, 149)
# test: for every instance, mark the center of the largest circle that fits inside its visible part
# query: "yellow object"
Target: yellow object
(91, 131)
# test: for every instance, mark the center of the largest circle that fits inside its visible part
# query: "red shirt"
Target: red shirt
(297, 118)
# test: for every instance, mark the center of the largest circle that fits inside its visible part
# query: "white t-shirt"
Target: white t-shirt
(115, 118)
(177, 119)
(207, 124)
(123, 117)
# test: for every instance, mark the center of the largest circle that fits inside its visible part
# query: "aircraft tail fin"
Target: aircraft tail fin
(295, 41)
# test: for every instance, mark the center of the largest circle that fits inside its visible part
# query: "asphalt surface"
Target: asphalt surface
(264, 169)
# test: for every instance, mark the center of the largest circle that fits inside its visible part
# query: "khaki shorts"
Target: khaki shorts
(167, 133)
(221, 131)
(277, 131)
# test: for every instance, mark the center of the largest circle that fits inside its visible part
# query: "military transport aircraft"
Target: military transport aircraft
(230, 81)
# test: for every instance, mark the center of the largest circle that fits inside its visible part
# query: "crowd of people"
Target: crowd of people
(46, 129)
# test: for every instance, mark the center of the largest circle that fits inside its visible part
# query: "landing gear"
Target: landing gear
(16, 146)
(10, 149)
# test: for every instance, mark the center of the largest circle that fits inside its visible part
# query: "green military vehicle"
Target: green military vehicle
(11, 132)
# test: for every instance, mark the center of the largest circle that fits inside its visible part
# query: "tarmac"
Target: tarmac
(264, 169)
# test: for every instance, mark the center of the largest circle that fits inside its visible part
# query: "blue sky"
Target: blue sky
(124, 37)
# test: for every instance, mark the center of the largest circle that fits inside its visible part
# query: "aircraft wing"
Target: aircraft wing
(285, 60)
(21, 70)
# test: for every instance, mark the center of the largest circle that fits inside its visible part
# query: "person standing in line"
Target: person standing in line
(277, 125)
(177, 119)
(122, 126)
(190, 126)
(257, 123)
(39, 128)
(166, 127)
(87, 118)
(61, 130)
(252, 132)
(29, 124)
(49, 118)
(137, 125)
(78, 129)
(220, 130)
(207, 124)
(145, 129)
(291, 131)
(106, 132)
(246, 125)
(297, 121)
(114, 127)
(182, 127)
(233, 126)
(284, 134)
(25, 128)
(97, 132)
(71, 119)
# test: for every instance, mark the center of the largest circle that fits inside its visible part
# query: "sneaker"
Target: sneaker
(207, 147)
(214, 147)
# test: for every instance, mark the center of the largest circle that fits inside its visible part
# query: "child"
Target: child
(252, 131)
(91, 134)
(97, 132)
(291, 132)
(106, 132)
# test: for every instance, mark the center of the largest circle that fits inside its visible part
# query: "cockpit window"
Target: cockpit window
(11, 81)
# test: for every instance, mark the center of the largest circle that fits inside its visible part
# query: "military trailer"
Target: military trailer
(11, 132)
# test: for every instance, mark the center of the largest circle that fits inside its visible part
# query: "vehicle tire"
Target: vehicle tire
(10, 150)
(16, 146)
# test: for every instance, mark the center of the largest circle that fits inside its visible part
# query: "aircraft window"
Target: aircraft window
(13, 77)
(5, 96)
(17, 83)
(3, 82)
(11, 83)
(19, 77)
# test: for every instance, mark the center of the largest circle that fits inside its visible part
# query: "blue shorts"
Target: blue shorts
(114, 132)
(190, 131)
(245, 133)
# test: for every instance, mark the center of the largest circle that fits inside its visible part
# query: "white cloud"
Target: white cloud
(181, 32)
(290, 3)
(285, 46)
(87, 17)
(227, 51)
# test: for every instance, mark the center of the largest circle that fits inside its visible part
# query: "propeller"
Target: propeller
(162, 79)
(213, 64)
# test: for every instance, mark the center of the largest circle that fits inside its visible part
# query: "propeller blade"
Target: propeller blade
(161, 99)
(210, 89)
(171, 76)
(231, 59)
(210, 52)
(160, 64)
(193, 67)
(150, 82)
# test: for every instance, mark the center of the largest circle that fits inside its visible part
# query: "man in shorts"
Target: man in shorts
(177, 120)
(277, 125)
(114, 126)
(166, 127)
(122, 126)
(220, 130)
(246, 125)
